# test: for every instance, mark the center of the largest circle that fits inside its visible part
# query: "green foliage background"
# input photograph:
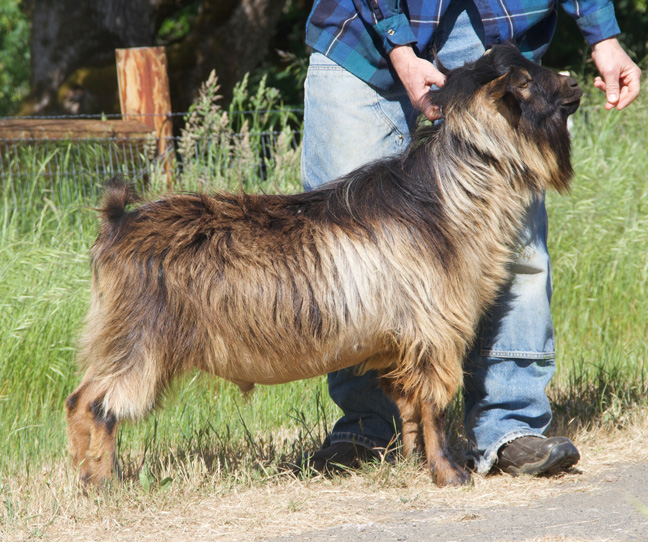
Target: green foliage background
(285, 61)
(569, 50)
(14, 56)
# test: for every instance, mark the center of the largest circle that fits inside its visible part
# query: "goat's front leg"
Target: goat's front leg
(439, 459)
(92, 435)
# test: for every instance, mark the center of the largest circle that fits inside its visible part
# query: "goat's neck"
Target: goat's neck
(488, 183)
(486, 191)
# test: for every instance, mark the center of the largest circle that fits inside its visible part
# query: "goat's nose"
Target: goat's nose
(570, 81)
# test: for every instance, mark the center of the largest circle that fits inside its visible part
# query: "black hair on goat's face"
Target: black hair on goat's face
(503, 105)
(528, 95)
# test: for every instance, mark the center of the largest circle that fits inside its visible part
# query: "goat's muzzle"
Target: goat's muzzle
(571, 95)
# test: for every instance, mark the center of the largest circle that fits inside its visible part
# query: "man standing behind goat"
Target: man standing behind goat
(368, 72)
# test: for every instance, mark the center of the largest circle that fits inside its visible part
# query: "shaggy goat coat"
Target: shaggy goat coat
(391, 266)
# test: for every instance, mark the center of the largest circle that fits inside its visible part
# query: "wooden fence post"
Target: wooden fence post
(144, 96)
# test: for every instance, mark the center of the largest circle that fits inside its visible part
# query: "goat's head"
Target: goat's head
(505, 100)
(528, 94)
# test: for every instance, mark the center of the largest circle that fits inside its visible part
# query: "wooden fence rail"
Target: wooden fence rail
(18, 128)
(145, 107)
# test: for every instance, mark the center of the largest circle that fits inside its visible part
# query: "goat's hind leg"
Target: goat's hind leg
(410, 425)
(92, 434)
(423, 430)
(439, 458)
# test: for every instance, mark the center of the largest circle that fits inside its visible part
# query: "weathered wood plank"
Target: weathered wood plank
(72, 129)
(144, 95)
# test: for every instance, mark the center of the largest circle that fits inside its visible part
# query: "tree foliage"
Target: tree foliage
(72, 46)
(633, 20)
(569, 50)
(14, 56)
(68, 62)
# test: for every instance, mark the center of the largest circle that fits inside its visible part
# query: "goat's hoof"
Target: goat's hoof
(452, 477)
(88, 482)
(99, 476)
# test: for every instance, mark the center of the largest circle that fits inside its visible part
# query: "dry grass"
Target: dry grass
(199, 505)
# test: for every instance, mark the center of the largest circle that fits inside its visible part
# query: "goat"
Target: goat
(390, 267)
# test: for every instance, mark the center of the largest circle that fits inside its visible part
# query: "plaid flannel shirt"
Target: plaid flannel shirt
(358, 34)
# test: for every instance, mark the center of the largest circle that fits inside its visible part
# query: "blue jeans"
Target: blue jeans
(349, 123)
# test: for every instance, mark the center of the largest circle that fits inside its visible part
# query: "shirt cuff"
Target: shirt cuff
(395, 30)
(599, 25)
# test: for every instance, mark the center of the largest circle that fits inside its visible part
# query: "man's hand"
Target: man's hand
(417, 76)
(620, 75)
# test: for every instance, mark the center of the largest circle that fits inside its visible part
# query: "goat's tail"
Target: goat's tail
(118, 194)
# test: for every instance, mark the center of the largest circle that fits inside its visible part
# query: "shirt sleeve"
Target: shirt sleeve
(595, 18)
(391, 24)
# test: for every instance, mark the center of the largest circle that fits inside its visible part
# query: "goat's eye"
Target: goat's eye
(524, 85)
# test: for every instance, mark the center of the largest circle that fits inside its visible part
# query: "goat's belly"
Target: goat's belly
(248, 370)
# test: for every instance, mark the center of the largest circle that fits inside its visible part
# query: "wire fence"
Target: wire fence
(228, 154)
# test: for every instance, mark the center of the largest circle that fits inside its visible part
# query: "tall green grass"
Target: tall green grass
(599, 243)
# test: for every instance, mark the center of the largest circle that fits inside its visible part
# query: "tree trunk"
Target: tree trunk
(73, 48)
(231, 42)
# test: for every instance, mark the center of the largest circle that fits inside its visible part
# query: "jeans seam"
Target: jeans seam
(517, 354)
(353, 438)
(322, 67)
(330, 65)
(385, 118)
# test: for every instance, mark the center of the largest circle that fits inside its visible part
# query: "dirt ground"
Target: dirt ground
(604, 499)
(610, 505)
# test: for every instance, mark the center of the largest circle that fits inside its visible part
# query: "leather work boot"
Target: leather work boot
(535, 455)
(338, 457)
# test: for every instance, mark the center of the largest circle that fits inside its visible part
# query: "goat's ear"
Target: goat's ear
(439, 64)
(430, 105)
(514, 81)
(441, 67)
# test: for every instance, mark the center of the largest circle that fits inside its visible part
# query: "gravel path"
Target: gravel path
(611, 505)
